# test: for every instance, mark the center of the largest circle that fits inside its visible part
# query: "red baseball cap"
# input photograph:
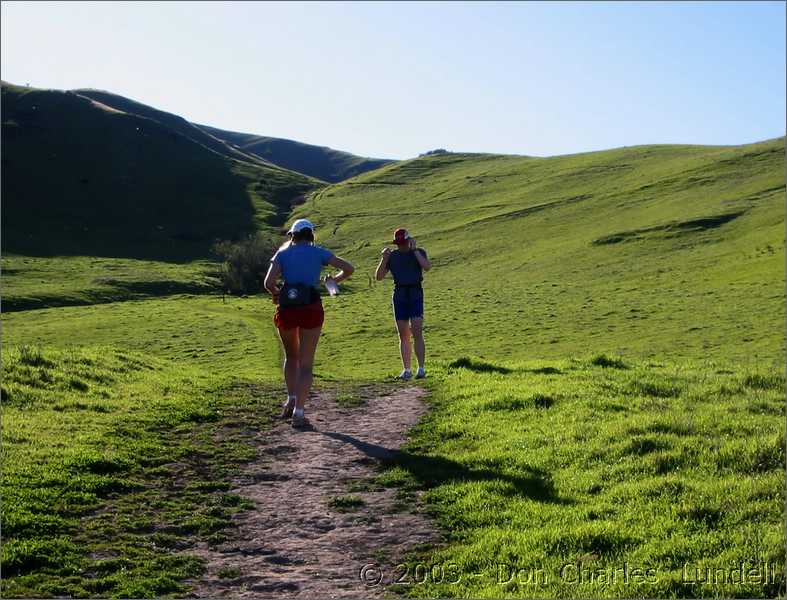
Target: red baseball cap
(400, 237)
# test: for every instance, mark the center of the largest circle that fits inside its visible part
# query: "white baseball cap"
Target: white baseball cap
(300, 225)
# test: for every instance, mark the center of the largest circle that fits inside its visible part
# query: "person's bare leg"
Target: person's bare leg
(290, 341)
(307, 350)
(417, 327)
(403, 327)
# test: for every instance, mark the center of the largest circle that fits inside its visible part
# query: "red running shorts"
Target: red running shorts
(307, 317)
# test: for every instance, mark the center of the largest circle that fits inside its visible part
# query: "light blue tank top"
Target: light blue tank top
(302, 263)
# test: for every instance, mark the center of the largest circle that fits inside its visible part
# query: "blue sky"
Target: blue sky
(396, 79)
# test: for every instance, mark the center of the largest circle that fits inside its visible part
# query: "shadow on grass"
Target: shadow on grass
(117, 292)
(433, 471)
(602, 360)
(545, 371)
(481, 366)
(478, 366)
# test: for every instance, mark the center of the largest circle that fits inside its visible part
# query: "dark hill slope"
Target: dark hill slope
(317, 161)
(80, 177)
(172, 121)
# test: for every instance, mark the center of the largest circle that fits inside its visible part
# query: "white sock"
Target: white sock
(298, 412)
(291, 398)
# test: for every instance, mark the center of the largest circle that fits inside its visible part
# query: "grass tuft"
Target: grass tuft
(228, 573)
(346, 503)
(602, 360)
(760, 381)
(650, 386)
(32, 356)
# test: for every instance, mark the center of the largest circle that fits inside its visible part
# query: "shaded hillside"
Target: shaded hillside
(317, 161)
(80, 177)
(173, 122)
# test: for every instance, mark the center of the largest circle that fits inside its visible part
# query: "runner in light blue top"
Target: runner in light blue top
(299, 262)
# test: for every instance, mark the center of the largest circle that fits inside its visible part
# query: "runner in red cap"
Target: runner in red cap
(407, 264)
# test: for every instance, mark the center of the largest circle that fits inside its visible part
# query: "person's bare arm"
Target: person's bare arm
(346, 268)
(420, 257)
(271, 277)
(382, 268)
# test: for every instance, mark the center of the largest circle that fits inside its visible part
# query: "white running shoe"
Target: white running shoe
(287, 408)
(405, 375)
(420, 373)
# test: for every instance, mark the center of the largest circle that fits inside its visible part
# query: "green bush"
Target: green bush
(245, 263)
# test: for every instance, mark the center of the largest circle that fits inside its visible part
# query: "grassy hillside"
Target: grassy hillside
(141, 476)
(606, 338)
(321, 162)
(34, 282)
(593, 477)
(649, 251)
(606, 372)
(82, 178)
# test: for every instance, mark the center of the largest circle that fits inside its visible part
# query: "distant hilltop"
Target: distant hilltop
(321, 162)
(434, 152)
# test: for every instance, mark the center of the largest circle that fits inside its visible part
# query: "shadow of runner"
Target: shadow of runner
(433, 471)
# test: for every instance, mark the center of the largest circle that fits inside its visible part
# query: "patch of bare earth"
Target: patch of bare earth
(297, 542)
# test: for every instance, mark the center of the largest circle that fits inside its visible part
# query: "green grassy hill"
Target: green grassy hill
(606, 372)
(321, 162)
(606, 338)
(83, 178)
(646, 251)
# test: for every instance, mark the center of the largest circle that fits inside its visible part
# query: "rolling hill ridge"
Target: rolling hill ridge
(321, 162)
(172, 121)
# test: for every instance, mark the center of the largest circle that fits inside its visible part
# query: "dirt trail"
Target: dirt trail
(294, 544)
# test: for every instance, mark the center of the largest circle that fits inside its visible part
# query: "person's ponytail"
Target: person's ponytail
(298, 236)
(306, 235)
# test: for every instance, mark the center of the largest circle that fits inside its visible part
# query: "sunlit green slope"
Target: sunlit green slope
(646, 251)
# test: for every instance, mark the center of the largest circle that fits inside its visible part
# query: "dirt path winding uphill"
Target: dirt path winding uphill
(295, 544)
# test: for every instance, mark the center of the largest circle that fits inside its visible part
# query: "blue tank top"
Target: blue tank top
(404, 267)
